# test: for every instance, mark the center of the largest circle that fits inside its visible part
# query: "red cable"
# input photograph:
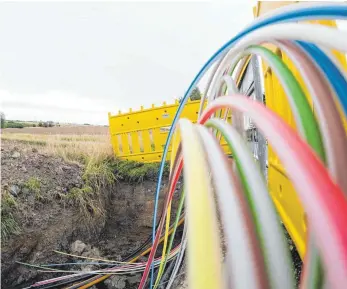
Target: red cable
(176, 175)
(323, 200)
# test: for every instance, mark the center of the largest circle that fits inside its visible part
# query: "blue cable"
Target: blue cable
(329, 69)
(307, 13)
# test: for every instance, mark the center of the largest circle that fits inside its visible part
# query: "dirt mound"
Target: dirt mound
(24, 167)
(41, 216)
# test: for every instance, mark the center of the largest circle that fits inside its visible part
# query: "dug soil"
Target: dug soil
(48, 221)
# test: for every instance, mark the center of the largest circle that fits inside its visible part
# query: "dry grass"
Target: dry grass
(72, 148)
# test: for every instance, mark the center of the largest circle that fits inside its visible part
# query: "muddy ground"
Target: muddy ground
(50, 222)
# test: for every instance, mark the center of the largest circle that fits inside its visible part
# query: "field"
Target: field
(74, 144)
(76, 130)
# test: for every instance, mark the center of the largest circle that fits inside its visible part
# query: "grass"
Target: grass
(8, 223)
(138, 172)
(100, 168)
(72, 148)
(9, 226)
(86, 199)
(34, 186)
(94, 152)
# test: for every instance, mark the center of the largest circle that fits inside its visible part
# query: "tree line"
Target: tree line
(21, 124)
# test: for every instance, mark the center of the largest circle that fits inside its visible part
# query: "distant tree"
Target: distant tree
(196, 94)
(14, 124)
(40, 124)
(3, 119)
(34, 125)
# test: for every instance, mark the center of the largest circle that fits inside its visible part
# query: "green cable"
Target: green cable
(178, 214)
(307, 121)
(295, 94)
(311, 133)
(267, 224)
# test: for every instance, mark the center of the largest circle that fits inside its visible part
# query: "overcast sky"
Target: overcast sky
(74, 62)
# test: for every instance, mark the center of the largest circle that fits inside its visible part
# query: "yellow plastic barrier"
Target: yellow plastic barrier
(141, 135)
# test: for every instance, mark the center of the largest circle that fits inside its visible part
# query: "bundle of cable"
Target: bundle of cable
(232, 202)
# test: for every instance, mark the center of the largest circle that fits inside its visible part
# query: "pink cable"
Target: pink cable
(323, 200)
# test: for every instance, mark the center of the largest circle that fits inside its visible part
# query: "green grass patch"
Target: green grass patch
(86, 199)
(137, 172)
(98, 179)
(9, 225)
(34, 186)
(98, 174)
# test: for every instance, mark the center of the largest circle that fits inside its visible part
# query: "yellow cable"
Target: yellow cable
(166, 237)
(204, 254)
(90, 258)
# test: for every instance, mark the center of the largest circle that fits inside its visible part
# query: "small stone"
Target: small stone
(58, 170)
(78, 247)
(116, 282)
(20, 280)
(23, 169)
(14, 190)
(16, 155)
(25, 190)
(92, 253)
(34, 150)
(134, 279)
(65, 168)
(88, 268)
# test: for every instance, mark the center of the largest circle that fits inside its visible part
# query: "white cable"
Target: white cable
(241, 259)
(286, 88)
(179, 257)
(312, 92)
(323, 35)
(275, 245)
(294, 6)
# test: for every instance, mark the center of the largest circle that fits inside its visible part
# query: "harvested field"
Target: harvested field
(71, 147)
(77, 130)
